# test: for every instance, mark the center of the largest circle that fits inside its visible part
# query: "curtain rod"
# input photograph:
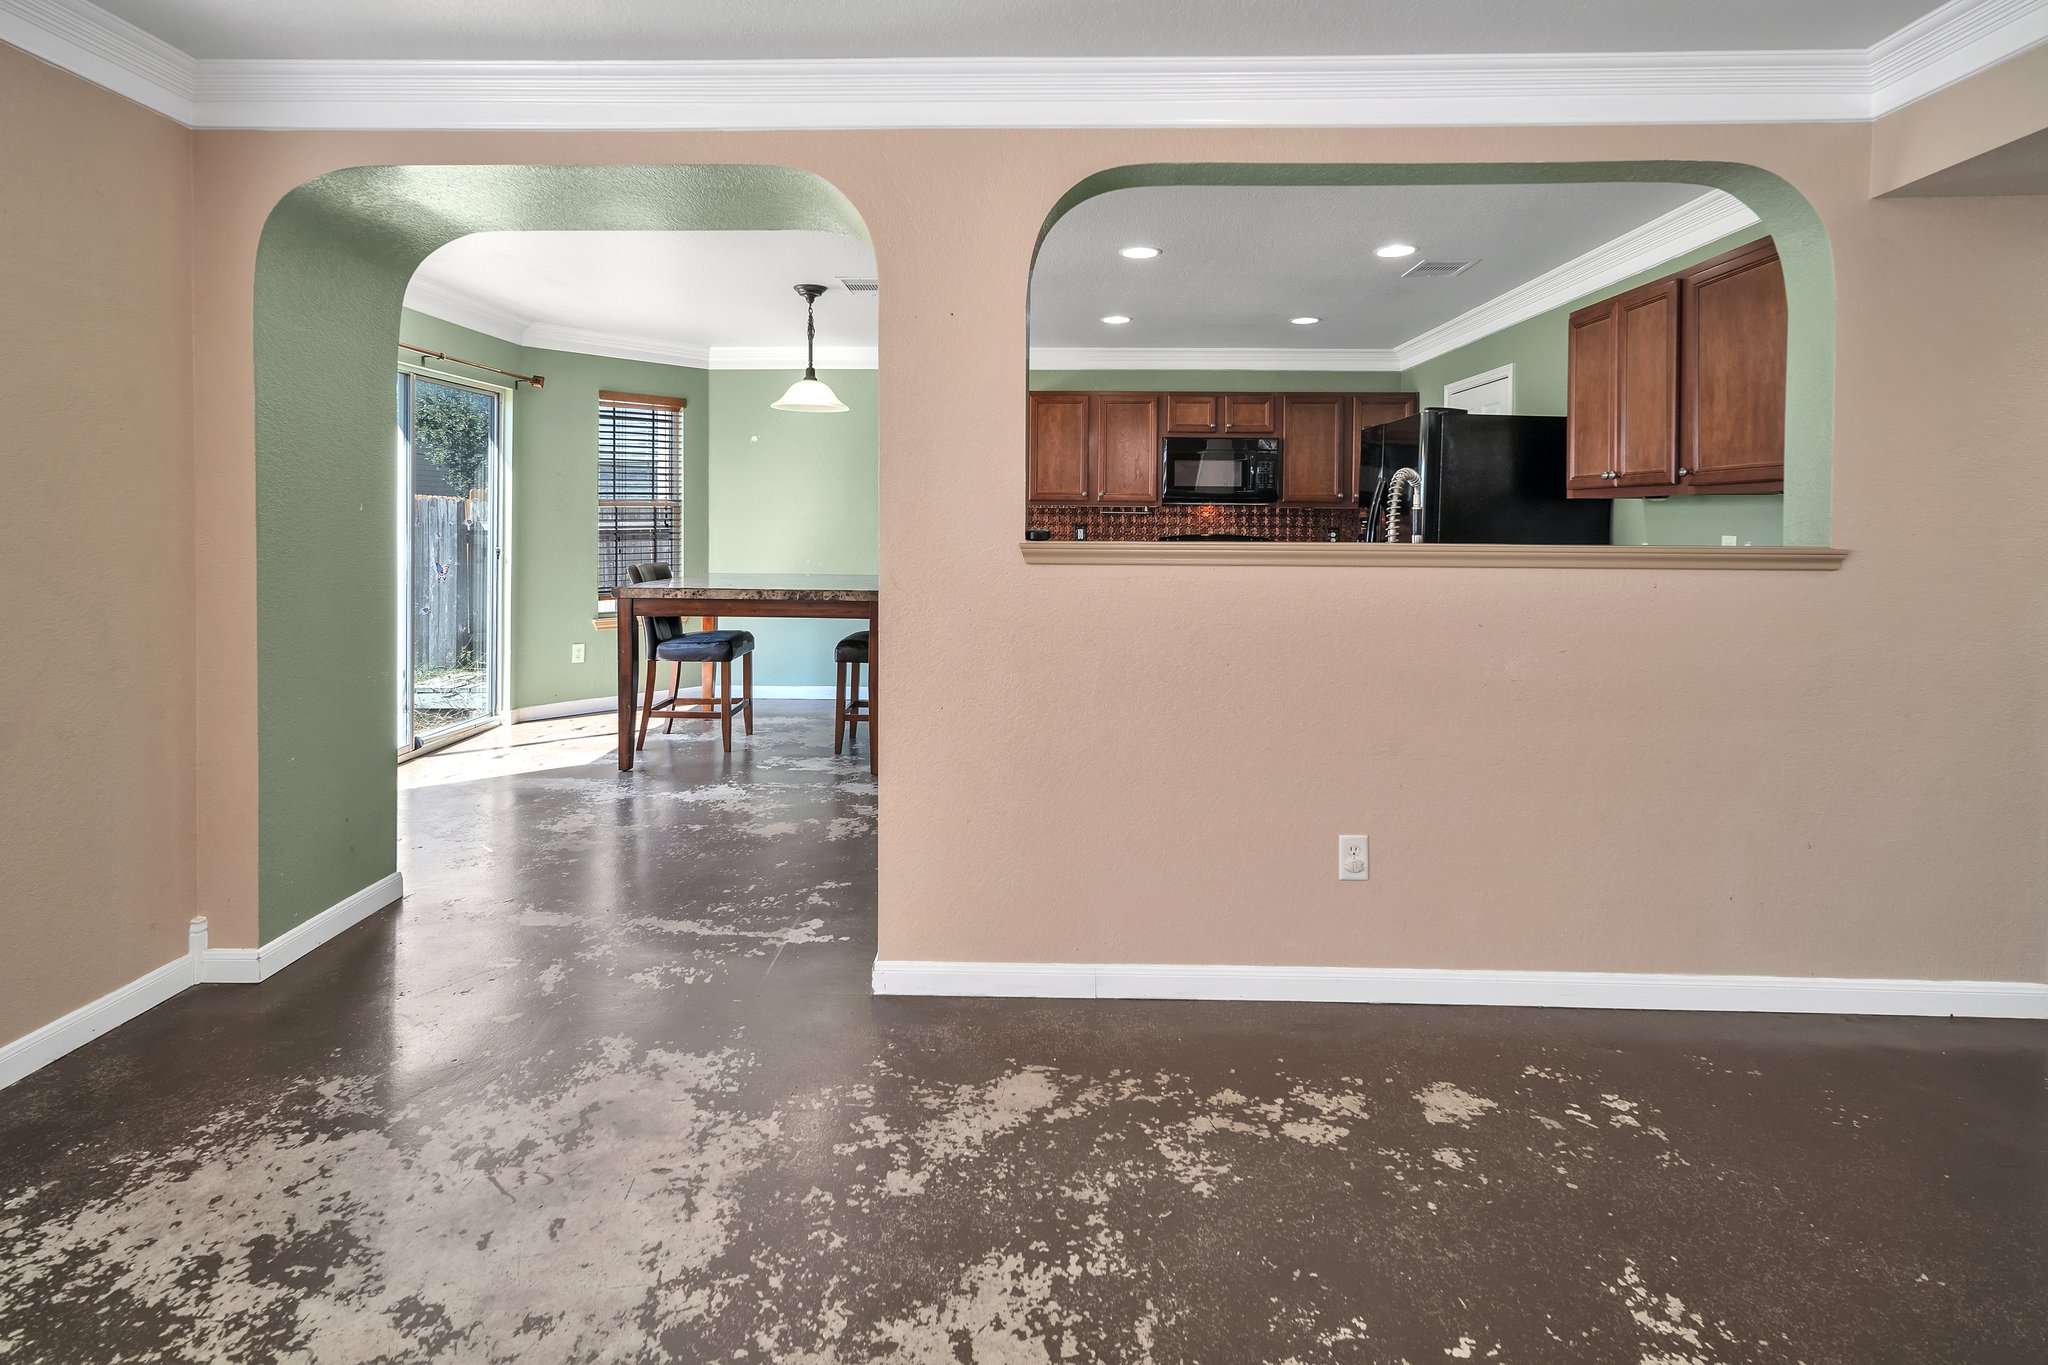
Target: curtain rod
(538, 381)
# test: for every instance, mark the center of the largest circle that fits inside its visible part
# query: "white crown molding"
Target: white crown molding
(792, 357)
(1211, 358)
(547, 337)
(1951, 44)
(466, 310)
(1688, 227)
(87, 41)
(1434, 986)
(1962, 37)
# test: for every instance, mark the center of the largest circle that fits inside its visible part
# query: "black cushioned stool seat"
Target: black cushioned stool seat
(851, 708)
(707, 647)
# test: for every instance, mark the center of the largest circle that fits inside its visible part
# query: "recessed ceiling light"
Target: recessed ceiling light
(1139, 253)
(1393, 250)
(1116, 319)
(1304, 322)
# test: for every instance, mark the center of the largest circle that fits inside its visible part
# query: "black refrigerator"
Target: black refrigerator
(1484, 480)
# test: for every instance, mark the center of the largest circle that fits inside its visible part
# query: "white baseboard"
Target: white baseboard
(34, 1051)
(591, 706)
(246, 965)
(1426, 986)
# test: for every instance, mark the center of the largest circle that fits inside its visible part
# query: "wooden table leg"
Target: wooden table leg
(629, 641)
(874, 654)
(708, 687)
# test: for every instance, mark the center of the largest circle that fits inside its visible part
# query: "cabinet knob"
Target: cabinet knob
(1683, 471)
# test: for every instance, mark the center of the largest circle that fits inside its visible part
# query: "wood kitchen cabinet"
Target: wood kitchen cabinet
(1251, 414)
(1373, 409)
(1318, 451)
(1193, 414)
(1094, 448)
(1732, 428)
(1123, 455)
(1678, 386)
(1056, 468)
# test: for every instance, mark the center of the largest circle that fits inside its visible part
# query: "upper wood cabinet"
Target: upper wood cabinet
(1056, 469)
(1678, 386)
(1193, 414)
(1732, 437)
(1250, 414)
(1373, 409)
(1094, 448)
(1646, 340)
(1592, 399)
(1319, 449)
(1123, 437)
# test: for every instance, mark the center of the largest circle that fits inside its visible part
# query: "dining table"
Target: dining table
(710, 596)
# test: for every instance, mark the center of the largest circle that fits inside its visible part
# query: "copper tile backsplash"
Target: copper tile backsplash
(1263, 519)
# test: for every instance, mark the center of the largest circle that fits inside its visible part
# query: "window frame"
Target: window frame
(676, 406)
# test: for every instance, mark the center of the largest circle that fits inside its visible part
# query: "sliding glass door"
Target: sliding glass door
(451, 439)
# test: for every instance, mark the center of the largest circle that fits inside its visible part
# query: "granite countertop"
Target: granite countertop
(760, 587)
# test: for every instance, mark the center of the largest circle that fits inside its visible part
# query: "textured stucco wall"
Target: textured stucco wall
(96, 708)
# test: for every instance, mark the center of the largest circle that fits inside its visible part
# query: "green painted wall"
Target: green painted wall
(331, 271)
(554, 516)
(793, 492)
(1214, 381)
(1537, 350)
(551, 553)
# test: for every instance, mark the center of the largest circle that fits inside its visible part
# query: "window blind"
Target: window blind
(639, 485)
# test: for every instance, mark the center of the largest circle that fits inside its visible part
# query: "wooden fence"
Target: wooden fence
(450, 588)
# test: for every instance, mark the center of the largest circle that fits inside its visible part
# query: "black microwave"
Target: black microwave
(1220, 469)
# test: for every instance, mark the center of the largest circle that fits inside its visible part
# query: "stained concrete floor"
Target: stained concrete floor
(610, 1087)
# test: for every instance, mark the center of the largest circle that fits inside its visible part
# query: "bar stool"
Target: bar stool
(850, 708)
(667, 641)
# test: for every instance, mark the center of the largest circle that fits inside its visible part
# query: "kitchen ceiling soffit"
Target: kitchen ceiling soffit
(1838, 85)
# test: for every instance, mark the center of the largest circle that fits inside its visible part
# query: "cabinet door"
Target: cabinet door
(1056, 470)
(1250, 414)
(1646, 322)
(1318, 451)
(1124, 436)
(1592, 401)
(1371, 409)
(1733, 417)
(1193, 414)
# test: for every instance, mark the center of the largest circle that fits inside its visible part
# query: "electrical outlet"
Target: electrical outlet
(1351, 858)
(575, 654)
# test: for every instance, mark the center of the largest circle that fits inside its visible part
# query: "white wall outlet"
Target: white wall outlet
(1351, 858)
(1728, 540)
(575, 654)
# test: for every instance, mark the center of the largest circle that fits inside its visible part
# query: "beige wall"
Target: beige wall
(96, 729)
(1928, 146)
(1831, 774)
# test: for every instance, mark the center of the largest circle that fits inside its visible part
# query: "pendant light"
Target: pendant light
(810, 394)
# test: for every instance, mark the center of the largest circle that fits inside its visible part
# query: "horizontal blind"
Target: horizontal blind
(639, 485)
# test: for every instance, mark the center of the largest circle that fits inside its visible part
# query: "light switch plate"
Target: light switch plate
(1351, 860)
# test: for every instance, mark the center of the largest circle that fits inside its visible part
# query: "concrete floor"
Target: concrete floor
(610, 1087)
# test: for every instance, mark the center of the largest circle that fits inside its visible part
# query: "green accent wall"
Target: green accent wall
(331, 271)
(1215, 381)
(1537, 349)
(793, 492)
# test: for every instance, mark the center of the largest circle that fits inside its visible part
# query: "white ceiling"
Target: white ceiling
(681, 296)
(736, 29)
(1237, 263)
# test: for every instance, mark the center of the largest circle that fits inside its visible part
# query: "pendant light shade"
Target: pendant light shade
(810, 394)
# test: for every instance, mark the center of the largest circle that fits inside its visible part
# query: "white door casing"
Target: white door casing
(1492, 392)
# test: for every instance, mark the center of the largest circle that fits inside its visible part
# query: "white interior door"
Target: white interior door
(1492, 392)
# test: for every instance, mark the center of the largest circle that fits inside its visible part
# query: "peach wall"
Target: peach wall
(1992, 109)
(96, 732)
(1826, 774)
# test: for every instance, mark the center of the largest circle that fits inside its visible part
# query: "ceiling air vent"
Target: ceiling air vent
(860, 286)
(1436, 270)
